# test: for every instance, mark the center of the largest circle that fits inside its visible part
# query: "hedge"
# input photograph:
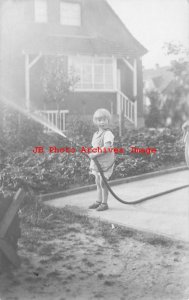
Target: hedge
(44, 173)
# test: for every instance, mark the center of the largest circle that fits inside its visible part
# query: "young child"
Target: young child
(103, 138)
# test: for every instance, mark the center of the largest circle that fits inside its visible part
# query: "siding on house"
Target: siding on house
(95, 36)
(87, 103)
(126, 79)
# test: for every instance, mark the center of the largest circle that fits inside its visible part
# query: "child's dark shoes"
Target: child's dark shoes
(95, 205)
(102, 206)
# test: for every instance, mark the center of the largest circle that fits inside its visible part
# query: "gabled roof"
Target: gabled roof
(101, 33)
(136, 44)
(161, 77)
(80, 45)
(103, 22)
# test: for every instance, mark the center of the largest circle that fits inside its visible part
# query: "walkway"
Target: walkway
(166, 215)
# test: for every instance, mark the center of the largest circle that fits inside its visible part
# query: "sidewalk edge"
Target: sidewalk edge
(92, 187)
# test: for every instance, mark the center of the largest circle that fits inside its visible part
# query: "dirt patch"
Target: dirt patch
(68, 256)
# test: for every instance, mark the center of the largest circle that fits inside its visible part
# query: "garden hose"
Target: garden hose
(140, 200)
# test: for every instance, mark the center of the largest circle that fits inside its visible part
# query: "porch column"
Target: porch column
(135, 78)
(27, 81)
(28, 66)
(135, 90)
(133, 68)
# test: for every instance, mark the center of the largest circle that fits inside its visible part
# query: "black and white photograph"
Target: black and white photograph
(94, 149)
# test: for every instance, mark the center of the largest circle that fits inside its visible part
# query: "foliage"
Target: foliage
(81, 130)
(170, 151)
(20, 132)
(153, 118)
(46, 173)
(171, 106)
(176, 106)
(173, 49)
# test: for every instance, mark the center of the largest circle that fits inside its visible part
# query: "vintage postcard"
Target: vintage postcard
(94, 149)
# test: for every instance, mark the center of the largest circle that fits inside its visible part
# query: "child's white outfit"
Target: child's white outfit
(106, 160)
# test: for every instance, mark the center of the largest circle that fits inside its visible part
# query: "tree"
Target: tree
(153, 117)
(176, 105)
(57, 82)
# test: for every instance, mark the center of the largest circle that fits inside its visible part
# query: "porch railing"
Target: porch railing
(127, 107)
(54, 117)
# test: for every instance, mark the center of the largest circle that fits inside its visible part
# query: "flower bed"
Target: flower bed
(45, 173)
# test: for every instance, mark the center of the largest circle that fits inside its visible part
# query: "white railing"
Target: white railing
(127, 107)
(56, 118)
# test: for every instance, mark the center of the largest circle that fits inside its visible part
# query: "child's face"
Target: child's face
(102, 122)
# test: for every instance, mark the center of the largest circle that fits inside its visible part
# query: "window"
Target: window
(70, 14)
(40, 11)
(94, 73)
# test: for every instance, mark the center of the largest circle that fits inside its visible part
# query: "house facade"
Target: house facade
(94, 43)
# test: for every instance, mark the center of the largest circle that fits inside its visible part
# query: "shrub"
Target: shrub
(81, 130)
(20, 132)
(45, 173)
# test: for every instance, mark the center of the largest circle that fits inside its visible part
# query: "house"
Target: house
(159, 80)
(93, 41)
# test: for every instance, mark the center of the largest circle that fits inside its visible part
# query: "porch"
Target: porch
(110, 75)
(55, 118)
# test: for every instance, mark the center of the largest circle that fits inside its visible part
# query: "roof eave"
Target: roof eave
(141, 49)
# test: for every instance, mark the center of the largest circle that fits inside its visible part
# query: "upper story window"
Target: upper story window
(70, 14)
(40, 11)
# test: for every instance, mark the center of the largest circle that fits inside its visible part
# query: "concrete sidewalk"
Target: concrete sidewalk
(166, 215)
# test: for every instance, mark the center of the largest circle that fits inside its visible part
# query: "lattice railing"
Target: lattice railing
(127, 107)
(55, 117)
